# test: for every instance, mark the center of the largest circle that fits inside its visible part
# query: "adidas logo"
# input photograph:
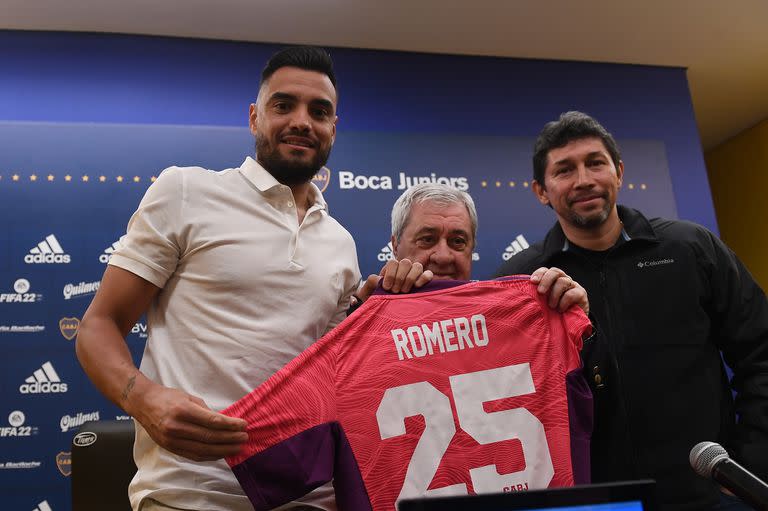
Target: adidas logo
(43, 506)
(104, 258)
(43, 381)
(386, 253)
(48, 251)
(515, 247)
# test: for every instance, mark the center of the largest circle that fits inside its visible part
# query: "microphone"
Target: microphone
(709, 459)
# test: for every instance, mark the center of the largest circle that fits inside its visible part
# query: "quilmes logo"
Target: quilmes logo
(348, 180)
(658, 262)
(22, 294)
(68, 327)
(64, 463)
(43, 381)
(17, 428)
(104, 257)
(322, 178)
(43, 506)
(80, 289)
(48, 251)
(517, 246)
(68, 422)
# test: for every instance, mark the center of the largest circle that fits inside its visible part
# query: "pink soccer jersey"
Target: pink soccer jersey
(460, 388)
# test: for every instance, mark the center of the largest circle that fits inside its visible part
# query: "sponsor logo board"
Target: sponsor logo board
(48, 251)
(518, 245)
(17, 427)
(20, 465)
(322, 178)
(21, 329)
(140, 329)
(68, 327)
(43, 381)
(386, 253)
(68, 422)
(64, 463)
(21, 293)
(80, 289)
(85, 439)
(104, 257)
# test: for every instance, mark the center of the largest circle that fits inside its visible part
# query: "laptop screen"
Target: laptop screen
(620, 496)
(634, 505)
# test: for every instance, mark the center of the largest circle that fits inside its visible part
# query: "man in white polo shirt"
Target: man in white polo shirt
(238, 271)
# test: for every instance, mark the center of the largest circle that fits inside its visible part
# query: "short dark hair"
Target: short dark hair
(310, 58)
(571, 126)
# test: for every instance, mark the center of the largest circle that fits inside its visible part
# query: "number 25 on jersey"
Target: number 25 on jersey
(470, 392)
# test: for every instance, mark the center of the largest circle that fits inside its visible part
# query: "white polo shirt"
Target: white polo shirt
(244, 289)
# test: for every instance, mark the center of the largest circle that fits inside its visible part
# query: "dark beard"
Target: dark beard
(289, 173)
(593, 220)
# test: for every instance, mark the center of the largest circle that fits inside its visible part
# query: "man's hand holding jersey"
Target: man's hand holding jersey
(396, 277)
(563, 292)
(176, 421)
(405, 275)
(184, 425)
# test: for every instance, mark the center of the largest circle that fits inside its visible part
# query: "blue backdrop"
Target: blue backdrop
(86, 121)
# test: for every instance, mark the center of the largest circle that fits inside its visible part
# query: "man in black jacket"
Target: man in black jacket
(668, 297)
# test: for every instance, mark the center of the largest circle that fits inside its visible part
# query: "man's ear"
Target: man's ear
(393, 240)
(540, 192)
(620, 172)
(252, 122)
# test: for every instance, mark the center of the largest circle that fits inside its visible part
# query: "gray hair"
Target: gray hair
(441, 194)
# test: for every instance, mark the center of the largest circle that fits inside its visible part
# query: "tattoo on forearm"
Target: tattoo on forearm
(129, 387)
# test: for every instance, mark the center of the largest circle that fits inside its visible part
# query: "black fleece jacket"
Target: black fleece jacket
(668, 299)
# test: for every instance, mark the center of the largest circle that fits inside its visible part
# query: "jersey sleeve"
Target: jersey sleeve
(577, 327)
(295, 443)
(151, 246)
